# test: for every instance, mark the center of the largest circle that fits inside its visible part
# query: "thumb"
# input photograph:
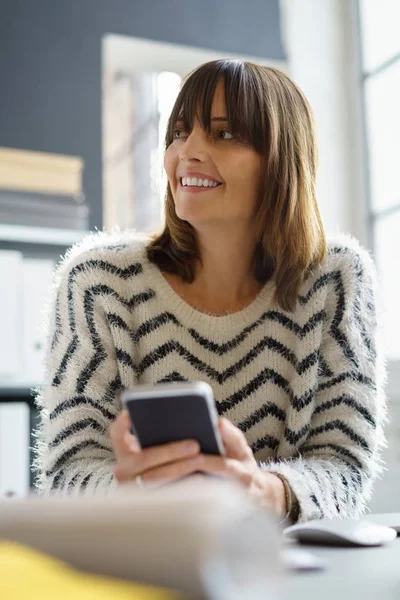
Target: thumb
(235, 443)
(124, 443)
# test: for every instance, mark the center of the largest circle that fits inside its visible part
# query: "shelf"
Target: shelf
(40, 235)
(16, 388)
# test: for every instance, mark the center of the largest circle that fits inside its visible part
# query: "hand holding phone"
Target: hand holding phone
(172, 412)
(151, 453)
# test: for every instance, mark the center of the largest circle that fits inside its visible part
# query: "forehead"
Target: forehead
(217, 107)
(219, 104)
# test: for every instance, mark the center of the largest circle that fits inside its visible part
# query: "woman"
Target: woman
(240, 290)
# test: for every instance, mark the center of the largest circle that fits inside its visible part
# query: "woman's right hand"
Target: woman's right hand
(158, 465)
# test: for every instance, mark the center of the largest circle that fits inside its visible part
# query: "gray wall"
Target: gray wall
(50, 63)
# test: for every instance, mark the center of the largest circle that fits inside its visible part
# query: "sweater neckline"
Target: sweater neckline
(172, 299)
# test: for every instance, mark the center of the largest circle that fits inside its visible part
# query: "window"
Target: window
(380, 48)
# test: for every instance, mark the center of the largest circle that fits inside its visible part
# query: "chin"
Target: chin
(190, 215)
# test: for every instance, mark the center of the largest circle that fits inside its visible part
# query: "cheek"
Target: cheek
(170, 162)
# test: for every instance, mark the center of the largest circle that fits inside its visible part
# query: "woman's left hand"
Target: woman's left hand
(240, 465)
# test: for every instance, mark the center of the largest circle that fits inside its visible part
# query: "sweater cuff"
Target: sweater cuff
(304, 509)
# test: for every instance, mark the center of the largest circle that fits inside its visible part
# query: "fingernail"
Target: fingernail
(196, 460)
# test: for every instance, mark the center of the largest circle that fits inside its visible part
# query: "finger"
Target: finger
(234, 440)
(128, 466)
(124, 443)
(172, 472)
(156, 456)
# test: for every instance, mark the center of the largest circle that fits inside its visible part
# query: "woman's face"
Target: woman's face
(227, 169)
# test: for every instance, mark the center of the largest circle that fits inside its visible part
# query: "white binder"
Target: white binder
(14, 448)
(10, 314)
(37, 277)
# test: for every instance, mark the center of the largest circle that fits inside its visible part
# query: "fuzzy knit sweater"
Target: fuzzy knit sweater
(305, 387)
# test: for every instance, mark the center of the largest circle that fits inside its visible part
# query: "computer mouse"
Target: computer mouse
(341, 532)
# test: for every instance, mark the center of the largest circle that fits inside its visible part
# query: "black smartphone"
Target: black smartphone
(170, 412)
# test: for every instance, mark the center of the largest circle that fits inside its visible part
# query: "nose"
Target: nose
(195, 146)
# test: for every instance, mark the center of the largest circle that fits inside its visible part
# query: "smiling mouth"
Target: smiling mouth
(198, 184)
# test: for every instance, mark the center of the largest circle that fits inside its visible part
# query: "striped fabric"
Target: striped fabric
(305, 387)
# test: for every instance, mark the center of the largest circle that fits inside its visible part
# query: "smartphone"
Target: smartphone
(170, 412)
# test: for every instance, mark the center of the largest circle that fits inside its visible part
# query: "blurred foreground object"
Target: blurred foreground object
(203, 538)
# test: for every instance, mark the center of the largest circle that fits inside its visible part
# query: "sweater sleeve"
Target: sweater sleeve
(80, 396)
(333, 474)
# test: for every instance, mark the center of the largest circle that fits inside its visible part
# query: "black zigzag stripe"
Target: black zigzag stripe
(74, 429)
(338, 335)
(357, 474)
(58, 480)
(113, 387)
(79, 402)
(154, 323)
(161, 352)
(344, 452)
(132, 270)
(300, 402)
(124, 358)
(293, 437)
(268, 441)
(58, 323)
(85, 481)
(337, 424)
(346, 488)
(317, 504)
(320, 283)
(100, 354)
(352, 375)
(171, 377)
(58, 377)
(101, 290)
(318, 483)
(265, 375)
(71, 452)
(88, 265)
(72, 482)
(221, 349)
(348, 401)
(323, 368)
(116, 321)
(300, 331)
(267, 410)
(141, 298)
(334, 494)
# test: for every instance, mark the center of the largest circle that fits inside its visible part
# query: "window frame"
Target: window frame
(373, 215)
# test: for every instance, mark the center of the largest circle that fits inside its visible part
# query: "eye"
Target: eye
(223, 134)
(178, 134)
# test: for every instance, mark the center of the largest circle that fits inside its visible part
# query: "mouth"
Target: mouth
(197, 184)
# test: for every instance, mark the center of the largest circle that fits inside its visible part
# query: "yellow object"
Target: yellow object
(28, 574)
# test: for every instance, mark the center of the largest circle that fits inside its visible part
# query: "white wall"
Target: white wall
(321, 43)
(321, 47)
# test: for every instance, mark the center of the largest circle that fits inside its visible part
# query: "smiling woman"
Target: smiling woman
(251, 130)
(240, 290)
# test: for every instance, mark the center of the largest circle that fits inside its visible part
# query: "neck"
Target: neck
(225, 275)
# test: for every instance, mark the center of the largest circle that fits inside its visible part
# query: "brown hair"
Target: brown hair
(267, 110)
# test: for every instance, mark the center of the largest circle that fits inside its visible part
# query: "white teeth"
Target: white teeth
(194, 181)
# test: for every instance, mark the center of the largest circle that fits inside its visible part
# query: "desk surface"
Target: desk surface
(350, 574)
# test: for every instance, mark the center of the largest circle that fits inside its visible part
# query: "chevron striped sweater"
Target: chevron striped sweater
(306, 387)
